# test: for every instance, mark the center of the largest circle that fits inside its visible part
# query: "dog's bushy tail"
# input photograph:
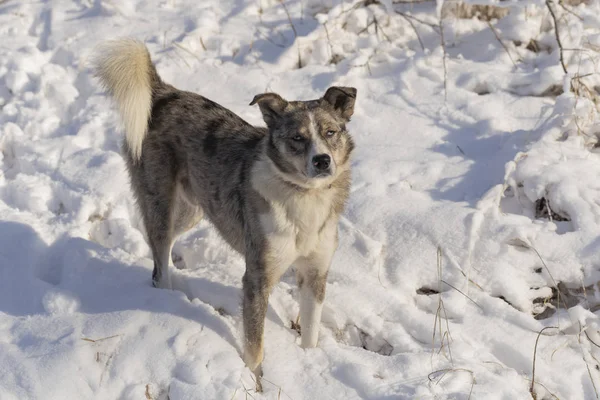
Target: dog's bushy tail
(125, 69)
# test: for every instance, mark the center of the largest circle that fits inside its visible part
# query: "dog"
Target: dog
(275, 194)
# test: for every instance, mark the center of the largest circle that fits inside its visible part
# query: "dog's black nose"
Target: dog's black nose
(321, 162)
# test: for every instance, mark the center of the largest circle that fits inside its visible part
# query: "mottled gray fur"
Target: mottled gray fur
(274, 194)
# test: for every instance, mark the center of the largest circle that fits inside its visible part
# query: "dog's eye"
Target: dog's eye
(330, 133)
(298, 138)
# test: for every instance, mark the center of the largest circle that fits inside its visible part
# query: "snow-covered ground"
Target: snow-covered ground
(473, 223)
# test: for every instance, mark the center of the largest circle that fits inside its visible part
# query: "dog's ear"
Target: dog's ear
(342, 99)
(271, 106)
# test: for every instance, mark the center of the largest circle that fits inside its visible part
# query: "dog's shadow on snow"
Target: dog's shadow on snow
(85, 271)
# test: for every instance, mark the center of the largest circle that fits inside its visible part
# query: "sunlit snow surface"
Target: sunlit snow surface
(444, 199)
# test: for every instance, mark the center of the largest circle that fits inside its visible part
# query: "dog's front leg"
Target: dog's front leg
(312, 280)
(312, 284)
(256, 299)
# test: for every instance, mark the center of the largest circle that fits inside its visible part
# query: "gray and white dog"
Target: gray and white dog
(275, 194)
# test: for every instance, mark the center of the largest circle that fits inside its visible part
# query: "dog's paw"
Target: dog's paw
(258, 373)
(162, 284)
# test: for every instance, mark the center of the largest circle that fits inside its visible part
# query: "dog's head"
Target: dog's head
(308, 140)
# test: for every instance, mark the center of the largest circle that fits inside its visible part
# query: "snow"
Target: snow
(474, 208)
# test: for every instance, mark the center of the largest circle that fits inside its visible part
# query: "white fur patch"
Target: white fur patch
(292, 225)
(310, 317)
(123, 67)
(318, 145)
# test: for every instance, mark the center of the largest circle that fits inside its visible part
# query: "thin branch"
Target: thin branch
(444, 59)
(414, 29)
(378, 27)
(328, 40)
(268, 39)
(289, 18)
(409, 16)
(501, 42)
(556, 33)
(412, 1)
(366, 64)
(293, 30)
(366, 28)
(564, 7)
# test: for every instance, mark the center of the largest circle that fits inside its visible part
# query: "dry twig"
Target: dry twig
(412, 17)
(293, 30)
(557, 34)
(444, 59)
(414, 29)
(501, 42)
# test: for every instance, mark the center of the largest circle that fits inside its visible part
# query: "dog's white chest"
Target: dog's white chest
(292, 228)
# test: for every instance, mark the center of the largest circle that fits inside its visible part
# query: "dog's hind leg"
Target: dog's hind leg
(154, 183)
(187, 213)
(160, 237)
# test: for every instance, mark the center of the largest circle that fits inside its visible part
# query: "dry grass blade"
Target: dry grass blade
(531, 388)
(445, 371)
(591, 378)
(547, 390)
(182, 47)
(590, 339)
(147, 393)
(279, 389)
(101, 339)
(449, 336)
(461, 292)
(437, 322)
(523, 244)
(559, 294)
(246, 391)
